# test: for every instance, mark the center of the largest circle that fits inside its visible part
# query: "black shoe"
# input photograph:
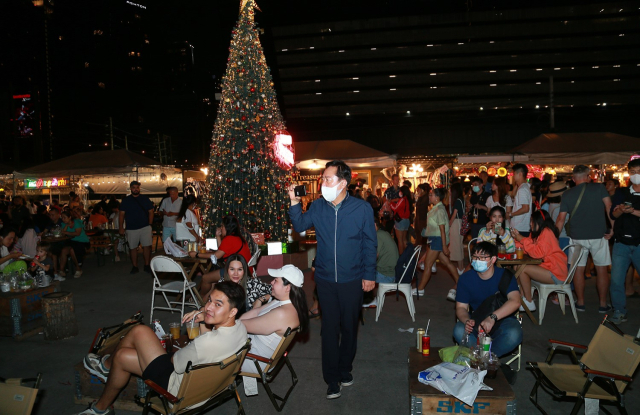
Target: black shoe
(134, 270)
(510, 374)
(147, 268)
(347, 379)
(333, 392)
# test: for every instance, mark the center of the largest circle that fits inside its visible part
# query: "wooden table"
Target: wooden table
(526, 260)
(53, 239)
(428, 400)
(21, 312)
(202, 264)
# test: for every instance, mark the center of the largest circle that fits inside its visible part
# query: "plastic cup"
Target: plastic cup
(174, 328)
(519, 253)
(493, 364)
(193, 329)
(167, 342)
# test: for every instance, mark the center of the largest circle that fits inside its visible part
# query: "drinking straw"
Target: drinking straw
(427, 330)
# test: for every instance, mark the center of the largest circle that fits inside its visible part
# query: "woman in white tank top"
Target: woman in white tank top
(266, 324)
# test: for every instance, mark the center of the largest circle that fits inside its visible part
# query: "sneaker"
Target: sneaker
(58, 277)
(334, 390)
(372, 304)
(347, 379)
(452, 295)
(618, 318)
(606, 309)
(134, 270)
(580, 308)
(91, 410)
(434, 269)
(95, 365)
(147, 268)
(530, 305)
(415, 291)
(78, 274)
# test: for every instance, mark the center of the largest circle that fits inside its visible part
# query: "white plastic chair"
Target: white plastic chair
(404, 287)
(162, 263)
(474, 240)
(562, 289)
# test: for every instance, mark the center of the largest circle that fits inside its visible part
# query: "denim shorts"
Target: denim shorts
(435, 243)
(556, 281)
(403, 225)
(385, 279)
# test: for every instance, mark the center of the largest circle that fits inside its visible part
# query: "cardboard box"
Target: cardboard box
(88, 388)
(427, 400)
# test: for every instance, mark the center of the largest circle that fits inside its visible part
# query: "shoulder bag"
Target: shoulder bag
(492, 303)
(567, 225)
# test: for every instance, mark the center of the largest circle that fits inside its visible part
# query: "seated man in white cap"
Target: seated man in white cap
(267, 323)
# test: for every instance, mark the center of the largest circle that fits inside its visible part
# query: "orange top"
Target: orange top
(97, 220)
(546, 248)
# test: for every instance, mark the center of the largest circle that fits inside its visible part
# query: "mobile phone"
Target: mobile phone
(211, 244)
(498, 225)
(628, 204)
(300, 191)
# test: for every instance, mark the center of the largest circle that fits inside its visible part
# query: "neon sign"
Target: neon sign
(41, 184)
(283, 150)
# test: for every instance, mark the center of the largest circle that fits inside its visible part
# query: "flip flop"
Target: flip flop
(634, 295)
(314, 315)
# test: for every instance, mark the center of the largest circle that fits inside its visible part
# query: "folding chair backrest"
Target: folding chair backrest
(288, 337)
(610, 352)
(576, 252)
(162, 263)
(203, 382)
(413, 263)
(473, 241)
(254, 259)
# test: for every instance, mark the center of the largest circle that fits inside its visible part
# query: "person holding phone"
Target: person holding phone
(496, 232)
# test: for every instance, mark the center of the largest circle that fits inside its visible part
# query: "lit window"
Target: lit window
(537, 106)
(491, 41)
(318, 93)
(595, 67)
(408, 112)
(616, 80)
(616, 66)
(356, 91)
(347, 114)
(429, 46)
(513, 70)
(492, 71)
(538, 83)
(355, 79)
(311, 47)
(481, 108)
(340, 51)
(538, 69)
(556, 69)
(392, 76)
(433, 74)
(317, 80)
(493, 84)
(284, 50)
(460, 44)
(392, 89)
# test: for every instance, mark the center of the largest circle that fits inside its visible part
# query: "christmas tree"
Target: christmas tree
(251, 153)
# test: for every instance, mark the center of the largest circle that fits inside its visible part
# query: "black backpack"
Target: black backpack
(404, 262)
(493, 302)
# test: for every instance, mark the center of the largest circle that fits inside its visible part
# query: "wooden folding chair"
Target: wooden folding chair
(272, 368)
(202, 387)
(603, 372)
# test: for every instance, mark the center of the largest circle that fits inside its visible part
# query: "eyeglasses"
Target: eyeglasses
(330, 179)
(480, 258)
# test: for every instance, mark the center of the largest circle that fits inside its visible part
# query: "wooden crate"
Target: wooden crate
(21, 312)
(427, 400)
(88, 388)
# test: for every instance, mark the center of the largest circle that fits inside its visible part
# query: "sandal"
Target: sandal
(313, 314)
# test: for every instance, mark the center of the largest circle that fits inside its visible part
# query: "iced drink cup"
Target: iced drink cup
(174, 328)
(193, 329)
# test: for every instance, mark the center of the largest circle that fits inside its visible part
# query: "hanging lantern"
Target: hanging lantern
(502, 172)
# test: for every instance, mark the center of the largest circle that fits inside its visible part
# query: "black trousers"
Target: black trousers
(341, 305)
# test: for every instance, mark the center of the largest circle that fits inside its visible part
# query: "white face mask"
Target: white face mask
(635, 178)
(330, 193)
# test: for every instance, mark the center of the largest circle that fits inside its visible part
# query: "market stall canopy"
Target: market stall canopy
(579, 148)
(315, 154)
(93, 162)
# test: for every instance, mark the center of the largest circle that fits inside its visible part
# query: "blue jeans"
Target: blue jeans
(506, 338)
(385, 279)
(168, 232)
(621, 257)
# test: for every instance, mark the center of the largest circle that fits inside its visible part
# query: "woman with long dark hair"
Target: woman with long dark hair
(402, 208)
(456, 246)
(230, 242)
(187, 224)
(266, 324)
(542, 243)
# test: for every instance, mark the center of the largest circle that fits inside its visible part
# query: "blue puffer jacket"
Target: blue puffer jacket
(347, 241)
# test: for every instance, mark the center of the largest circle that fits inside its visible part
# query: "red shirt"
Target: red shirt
(232, 244)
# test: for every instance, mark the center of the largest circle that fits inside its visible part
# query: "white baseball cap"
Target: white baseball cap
(290, 272)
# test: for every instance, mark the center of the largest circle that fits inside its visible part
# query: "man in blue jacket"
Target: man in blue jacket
(345, 266)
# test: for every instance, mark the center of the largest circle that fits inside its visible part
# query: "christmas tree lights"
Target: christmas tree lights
(251, 157)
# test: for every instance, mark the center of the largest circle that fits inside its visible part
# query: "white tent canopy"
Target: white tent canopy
(312, 155)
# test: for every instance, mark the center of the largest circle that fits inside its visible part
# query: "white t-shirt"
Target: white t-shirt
(523, 197)
(507, 200)
(209, 347)
(168, 206)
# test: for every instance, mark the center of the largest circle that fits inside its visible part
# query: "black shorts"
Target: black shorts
(159, 370)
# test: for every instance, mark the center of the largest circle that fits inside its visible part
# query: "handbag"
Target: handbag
(567, 225)
(465, 226)
(493, 302)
